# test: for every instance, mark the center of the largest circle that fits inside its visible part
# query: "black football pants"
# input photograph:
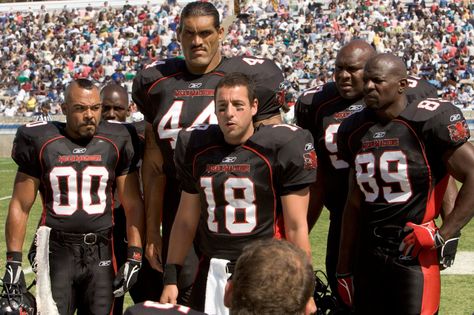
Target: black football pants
(81, 277)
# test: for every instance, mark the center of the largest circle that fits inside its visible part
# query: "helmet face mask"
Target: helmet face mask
(17, 301)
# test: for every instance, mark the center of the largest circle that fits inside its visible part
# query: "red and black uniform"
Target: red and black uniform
(77, 188)
(155, 308)
(171, 98)
(240, 187)
(321, 110)
(400, 171)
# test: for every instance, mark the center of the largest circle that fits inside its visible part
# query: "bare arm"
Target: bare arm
(25, 189)
(184, 227)
(350, 226)
(460, 164)
(315, 201)
(154, 181)
(449, 198)
(128, 189)
(295, 208)
(181, 239)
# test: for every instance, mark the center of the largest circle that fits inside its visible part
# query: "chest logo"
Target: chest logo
(379, 134)
(195, 85)
(79, 150)
(229, 159)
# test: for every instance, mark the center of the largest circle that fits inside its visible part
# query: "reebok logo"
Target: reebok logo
(105, 263)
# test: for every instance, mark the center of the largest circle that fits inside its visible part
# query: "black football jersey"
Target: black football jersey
(171, 98)
(155, 308)
(240, 186)
(399, 165)
(321, 110)
(76, 178)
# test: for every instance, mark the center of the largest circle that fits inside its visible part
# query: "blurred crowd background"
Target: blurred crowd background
(41, 51)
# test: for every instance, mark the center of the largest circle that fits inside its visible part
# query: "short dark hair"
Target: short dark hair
(271, 277)
(81, 83)
(199, 8)
(237, 79)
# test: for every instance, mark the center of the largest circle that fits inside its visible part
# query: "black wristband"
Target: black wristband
(171, 274)
(14, 257)
(134, 253)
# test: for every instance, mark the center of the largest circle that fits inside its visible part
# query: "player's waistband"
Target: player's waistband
(79, 238)
(387, 238)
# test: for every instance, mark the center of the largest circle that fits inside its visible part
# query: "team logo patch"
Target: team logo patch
(308, 146)
(459, 131)
(105, 263)
(137, 256)
(195, 85)
(79, 150)
(310, 160)
(229, 159)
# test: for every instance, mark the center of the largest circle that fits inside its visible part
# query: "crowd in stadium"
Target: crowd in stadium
(42, 51)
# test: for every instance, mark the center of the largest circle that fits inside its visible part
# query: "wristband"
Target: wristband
(171, 274)
(14, 257)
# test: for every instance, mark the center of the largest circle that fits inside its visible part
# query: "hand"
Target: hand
(447, 252)
(128, 273)
(420, 236)
(14, 277)
(153, 251)
(345, 288)
(169, 294)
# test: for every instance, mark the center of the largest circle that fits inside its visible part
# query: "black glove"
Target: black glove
(128, 273)
(447, 252)
(14, 277)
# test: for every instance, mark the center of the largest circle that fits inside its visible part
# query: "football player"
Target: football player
(75, 166)
(400, 153)
(239, 185)
(321, 110)
(115, 107)
(179, 93)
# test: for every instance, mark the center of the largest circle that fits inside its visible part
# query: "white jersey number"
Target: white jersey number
(393, 169)
(65, 188)
(246, 204)
(331, 146)
(169, 125)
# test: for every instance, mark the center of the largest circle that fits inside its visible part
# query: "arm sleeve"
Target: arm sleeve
(297, 162)
(183, 162)
(24, 154)
(448, 129)
(130, 153)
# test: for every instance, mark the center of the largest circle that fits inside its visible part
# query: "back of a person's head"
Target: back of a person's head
(271, 277)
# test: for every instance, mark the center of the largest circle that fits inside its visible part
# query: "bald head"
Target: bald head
(391, 64)
(350, 62)
(385, 81)
(115, 104)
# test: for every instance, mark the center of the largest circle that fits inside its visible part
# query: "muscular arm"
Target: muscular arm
(449, 198)
(350, 227)
(128, 189)
(295, 207)
(181, 239)
(460, 164)
(154, 181)
(25, 189)
(315, 201)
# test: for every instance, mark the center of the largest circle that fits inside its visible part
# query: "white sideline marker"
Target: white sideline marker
(5, 198)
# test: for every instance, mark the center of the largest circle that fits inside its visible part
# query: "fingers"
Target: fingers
(169, 295)
(153, 256)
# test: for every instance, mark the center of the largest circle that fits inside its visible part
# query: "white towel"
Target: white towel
(215, 287)
(44, 297)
